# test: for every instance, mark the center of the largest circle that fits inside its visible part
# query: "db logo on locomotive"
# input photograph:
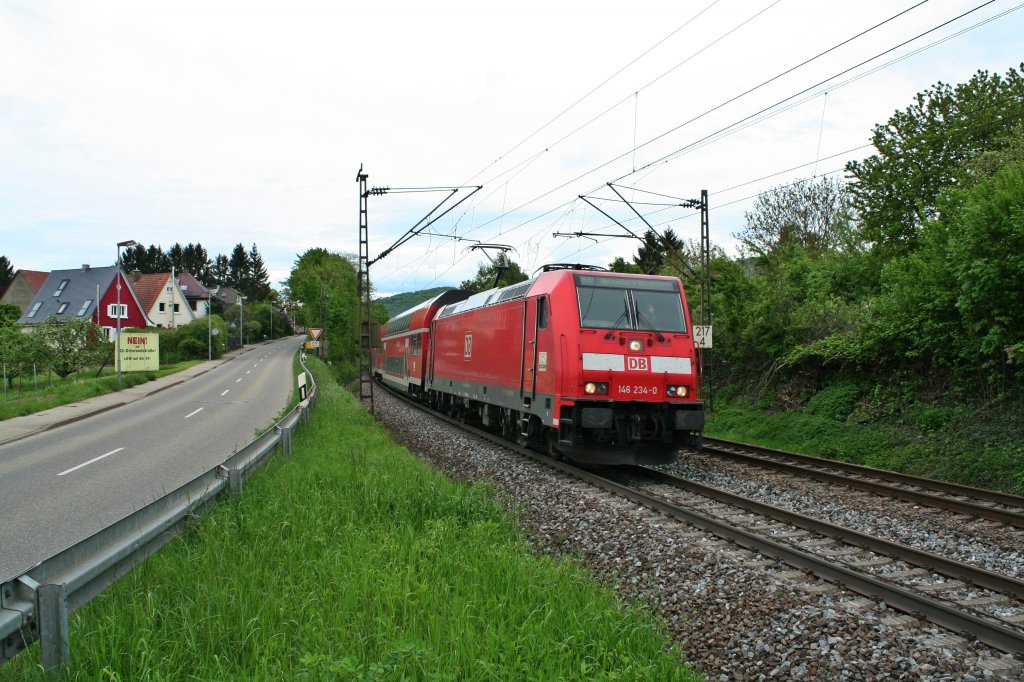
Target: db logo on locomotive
(638, 364)
(467, 350)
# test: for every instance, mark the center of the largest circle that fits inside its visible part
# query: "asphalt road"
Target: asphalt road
(61, 486)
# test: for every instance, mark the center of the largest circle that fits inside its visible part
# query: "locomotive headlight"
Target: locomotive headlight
(592, 388)
(636, 345)
(678, 391)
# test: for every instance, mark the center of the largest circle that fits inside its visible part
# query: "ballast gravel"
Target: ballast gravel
(992, 546)
(736, 614)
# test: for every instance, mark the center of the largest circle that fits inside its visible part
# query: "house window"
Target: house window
(62, 308)
(176, 307)
(34, 310)
(60, 287)
(192, 304)
(163, 307)
(112, 310)
(85, 307)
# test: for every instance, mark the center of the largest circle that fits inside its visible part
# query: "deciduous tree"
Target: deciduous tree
(811, 214)
(74, 344)
(323, 285)
(486, 274)
(924, 149)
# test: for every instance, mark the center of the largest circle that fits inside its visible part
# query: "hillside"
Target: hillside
(402, 302)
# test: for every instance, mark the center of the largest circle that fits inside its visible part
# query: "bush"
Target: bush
(834, 402)
(191, 341)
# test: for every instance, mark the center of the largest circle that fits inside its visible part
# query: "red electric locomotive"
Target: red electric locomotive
(596, 366)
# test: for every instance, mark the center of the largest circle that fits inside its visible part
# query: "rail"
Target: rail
(986, 630)
(987, 504)
(38, 604)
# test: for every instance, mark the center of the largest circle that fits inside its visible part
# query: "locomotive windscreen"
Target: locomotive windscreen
(630, 303)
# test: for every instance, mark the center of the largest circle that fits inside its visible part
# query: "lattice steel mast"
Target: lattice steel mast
(365, 307)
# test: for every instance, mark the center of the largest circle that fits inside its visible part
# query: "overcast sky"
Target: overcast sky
(227, 122)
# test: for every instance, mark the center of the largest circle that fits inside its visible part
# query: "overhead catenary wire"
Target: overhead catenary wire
(622, 101)
(594, 89)
(548, 212)
(805, 90)
(765, 111)
(518, 168)
(523, 165)
(735, 98)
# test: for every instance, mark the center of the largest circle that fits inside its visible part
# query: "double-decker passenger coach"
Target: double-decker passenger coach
(405, 342)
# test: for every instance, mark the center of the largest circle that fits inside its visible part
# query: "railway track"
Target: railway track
(986, 504)
(957, 596)
(953, 594)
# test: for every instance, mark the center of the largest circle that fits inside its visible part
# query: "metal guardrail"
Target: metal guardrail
(37, 605)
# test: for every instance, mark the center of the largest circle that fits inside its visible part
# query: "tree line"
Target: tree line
(244, 270)
(907, 272)
(70, 346)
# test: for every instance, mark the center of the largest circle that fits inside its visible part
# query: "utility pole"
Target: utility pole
(365, 308)
(363, 291)
(322, 348)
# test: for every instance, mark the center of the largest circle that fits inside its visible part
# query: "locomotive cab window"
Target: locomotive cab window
(542, 312)
(630, 303)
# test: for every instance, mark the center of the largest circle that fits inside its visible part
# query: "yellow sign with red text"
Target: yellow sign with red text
(139, 352)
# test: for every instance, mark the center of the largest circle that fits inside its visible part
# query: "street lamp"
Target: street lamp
(209, 327)
(241, 322)
(117, 343)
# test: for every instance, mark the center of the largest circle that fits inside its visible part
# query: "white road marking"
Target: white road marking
(95, 459)
(249, 372)
(225, 392)
(193, 413)
(238, 379)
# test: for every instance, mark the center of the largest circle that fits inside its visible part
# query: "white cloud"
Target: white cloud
(246, 121)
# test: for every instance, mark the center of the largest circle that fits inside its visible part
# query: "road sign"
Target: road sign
(315, 332)
(312, 345)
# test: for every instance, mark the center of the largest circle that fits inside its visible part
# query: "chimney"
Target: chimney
(85, 267)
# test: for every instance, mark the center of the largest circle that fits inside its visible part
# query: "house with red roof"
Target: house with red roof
(90, 293)
(162, 299)
(24, 287)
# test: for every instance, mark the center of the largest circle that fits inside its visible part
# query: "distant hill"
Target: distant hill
(402, 302)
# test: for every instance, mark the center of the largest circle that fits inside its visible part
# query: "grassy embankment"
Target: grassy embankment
(970, 446)
(352, 560)
(25, 398)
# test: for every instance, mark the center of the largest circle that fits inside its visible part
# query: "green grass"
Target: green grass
(23, 398)
(970, 447)
(352, 560)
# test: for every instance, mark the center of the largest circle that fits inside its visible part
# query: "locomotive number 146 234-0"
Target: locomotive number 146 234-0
(628, 389)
